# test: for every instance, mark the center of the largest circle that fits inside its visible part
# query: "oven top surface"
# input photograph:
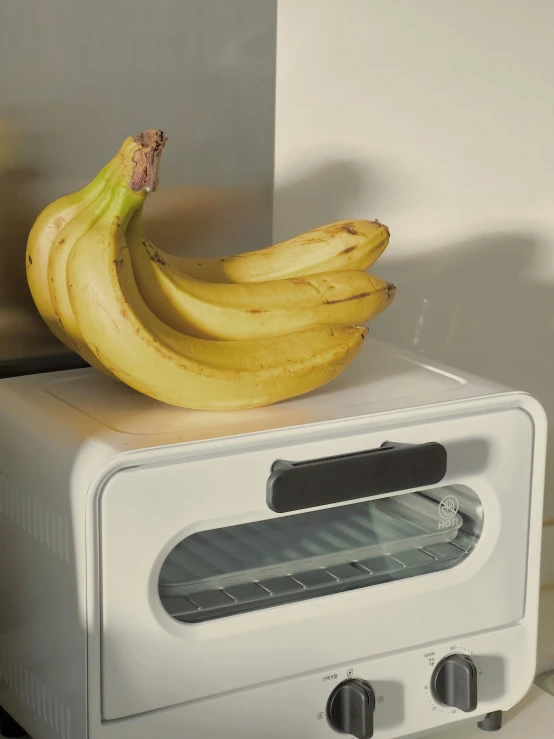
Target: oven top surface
(382, 380)
(380, 375)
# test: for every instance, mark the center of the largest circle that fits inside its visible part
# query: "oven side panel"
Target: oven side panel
(42, 576)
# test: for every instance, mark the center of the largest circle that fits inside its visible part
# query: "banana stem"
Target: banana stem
(146, 160)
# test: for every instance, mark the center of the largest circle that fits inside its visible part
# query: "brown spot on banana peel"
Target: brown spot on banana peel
(359, 296)
(389, 289)
(312, 240)
(256, 310)
(349, 228)
(347, 250)
(322, 233)
(157, 258)
(29, 260)
(160, 350)
(153, 253)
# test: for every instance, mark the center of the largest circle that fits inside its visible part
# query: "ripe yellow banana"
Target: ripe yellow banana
(46, 273)
(163, 363)
(229, 311)
(344, 245)
(57, 273)
(42, 234)
(41, 238)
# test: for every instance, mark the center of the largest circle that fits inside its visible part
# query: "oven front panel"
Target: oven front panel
(297, 707)
(205, 590)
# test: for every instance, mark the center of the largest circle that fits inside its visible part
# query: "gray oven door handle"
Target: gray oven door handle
(294, 486)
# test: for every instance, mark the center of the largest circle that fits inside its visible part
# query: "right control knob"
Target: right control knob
(454, 682)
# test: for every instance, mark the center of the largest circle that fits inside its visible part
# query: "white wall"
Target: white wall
(437, 117)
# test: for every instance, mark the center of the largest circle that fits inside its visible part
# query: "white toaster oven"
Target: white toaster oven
(363, 561)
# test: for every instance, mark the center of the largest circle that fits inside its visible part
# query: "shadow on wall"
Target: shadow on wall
(329, 192)
(477, 304)
(474, 303)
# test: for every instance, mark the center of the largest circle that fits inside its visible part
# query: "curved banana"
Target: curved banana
(44, 231)
(160, 362)
(234, 311)
(39, 243)
(57, 274)
(344, 245)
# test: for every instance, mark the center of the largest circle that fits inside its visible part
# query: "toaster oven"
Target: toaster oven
(362, 561)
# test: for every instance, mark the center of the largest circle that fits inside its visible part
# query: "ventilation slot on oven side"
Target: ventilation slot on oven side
(241, 568)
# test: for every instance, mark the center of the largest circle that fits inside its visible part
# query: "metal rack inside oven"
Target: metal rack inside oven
(255, 565)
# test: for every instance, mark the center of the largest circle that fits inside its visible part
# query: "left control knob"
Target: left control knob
(350, 708)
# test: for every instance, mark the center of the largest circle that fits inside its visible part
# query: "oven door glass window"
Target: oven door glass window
(221, 572)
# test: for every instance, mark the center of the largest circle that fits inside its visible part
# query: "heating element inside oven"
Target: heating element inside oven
(221, 572)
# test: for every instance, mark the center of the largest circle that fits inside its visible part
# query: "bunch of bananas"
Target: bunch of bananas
(236, 332)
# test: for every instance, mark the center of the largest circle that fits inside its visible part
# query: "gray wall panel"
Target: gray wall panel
(77, 77)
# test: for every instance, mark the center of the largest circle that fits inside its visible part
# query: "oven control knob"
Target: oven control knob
(350, 709)
(454, 682)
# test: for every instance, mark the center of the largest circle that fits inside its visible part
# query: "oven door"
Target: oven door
(258, 562)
